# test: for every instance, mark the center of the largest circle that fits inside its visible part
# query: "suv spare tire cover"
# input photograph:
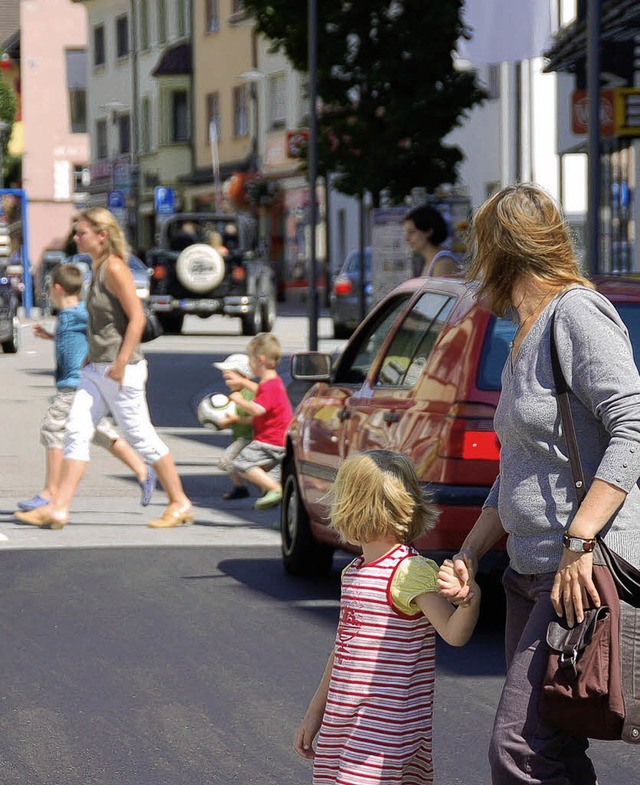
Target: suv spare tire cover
(200, 268)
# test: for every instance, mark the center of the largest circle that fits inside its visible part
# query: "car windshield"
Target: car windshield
(211, 231)
(497, 345)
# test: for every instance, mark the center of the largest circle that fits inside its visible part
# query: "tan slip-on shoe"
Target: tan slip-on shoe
(41, 517)
(173, 516)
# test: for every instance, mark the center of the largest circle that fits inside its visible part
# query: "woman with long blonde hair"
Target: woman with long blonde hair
(526, 267)
(113, 379)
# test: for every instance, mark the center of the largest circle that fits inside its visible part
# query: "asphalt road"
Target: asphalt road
(187, 656)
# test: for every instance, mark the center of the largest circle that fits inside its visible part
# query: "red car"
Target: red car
(421, 376)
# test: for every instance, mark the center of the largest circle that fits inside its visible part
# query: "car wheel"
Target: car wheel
(341, 330)
(252, 322)
(302, 554)
(171, 322)
(200, 268)
(13, 344)
(269, 312)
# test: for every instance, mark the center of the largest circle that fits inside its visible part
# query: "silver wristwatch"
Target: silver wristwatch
(578, 544)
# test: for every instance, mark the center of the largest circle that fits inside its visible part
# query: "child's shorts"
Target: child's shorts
(263, 456)
(231, 453)
(55, 420)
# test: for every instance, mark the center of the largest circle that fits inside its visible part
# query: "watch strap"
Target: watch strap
(587, 545)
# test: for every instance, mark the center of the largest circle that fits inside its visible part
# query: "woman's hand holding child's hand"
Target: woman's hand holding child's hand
(452, 587)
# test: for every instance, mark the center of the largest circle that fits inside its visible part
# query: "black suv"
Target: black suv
(206, 264)
(9, 321)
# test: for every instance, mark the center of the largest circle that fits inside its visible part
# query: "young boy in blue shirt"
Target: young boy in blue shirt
(71, 350)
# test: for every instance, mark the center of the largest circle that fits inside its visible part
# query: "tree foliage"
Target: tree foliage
(8, 108)
(388, 89)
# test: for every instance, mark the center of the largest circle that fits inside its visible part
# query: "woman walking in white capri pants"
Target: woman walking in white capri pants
(113, 379)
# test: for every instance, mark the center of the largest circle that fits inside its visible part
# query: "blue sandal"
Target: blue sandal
(33, 503)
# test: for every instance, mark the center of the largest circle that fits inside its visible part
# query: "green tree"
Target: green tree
(389, 92)
(8, 107)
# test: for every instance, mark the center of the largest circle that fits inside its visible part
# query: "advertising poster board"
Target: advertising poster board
(391, 261)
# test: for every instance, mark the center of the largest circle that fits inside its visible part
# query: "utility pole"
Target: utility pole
(312, 152)
(594, 8)
(135, 136)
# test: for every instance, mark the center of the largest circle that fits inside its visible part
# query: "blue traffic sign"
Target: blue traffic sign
(115, 200)
(165, 200)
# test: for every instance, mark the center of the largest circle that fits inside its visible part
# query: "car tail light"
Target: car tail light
(238, 273)
(343, 286)
(159, 272)
(471, 435)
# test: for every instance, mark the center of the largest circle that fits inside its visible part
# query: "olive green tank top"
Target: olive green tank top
(107, 322)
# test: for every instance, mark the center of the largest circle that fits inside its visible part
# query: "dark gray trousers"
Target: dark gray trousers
(524, 749)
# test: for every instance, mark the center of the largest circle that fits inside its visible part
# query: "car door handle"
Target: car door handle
(344, 414)
(391, 416)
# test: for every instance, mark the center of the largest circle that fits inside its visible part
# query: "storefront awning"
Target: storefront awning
(620, 23)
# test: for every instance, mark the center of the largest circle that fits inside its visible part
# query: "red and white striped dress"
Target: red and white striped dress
(378, 718)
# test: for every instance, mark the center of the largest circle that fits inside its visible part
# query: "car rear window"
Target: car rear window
(495, 351)
(630, 314)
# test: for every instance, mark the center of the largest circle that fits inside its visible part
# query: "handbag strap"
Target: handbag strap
(562, 394)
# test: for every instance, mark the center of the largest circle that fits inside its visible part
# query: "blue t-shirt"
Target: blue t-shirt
(71, 345)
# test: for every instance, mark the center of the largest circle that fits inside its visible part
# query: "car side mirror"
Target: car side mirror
(311, 367)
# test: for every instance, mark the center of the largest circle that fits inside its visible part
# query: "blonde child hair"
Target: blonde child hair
(377, 493)
(267, 346)
(104, 220)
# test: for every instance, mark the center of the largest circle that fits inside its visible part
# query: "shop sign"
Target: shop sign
(101, 170)
(580, 112)
(297, 143)
(627, 111)
(619, 112)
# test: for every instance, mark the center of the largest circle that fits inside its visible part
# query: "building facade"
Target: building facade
(55, 147)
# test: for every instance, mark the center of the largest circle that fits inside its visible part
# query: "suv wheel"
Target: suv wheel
(171, 322)
(12, 345)
(302, 554)
(252, 322)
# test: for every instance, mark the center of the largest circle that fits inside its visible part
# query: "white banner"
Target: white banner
(505, 30)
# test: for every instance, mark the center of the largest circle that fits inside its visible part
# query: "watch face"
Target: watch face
(575, 545)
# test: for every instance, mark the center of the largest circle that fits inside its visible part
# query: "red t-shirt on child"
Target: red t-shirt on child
(271, 427)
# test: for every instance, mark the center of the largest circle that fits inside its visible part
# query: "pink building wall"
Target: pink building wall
(48, 28)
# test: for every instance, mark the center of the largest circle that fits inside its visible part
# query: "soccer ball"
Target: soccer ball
(213, 409)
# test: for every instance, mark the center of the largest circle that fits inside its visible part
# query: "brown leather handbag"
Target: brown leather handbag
(591, 686)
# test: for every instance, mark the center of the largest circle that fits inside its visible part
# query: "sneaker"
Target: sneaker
(33, 503)
(147, 487)
(270, 499)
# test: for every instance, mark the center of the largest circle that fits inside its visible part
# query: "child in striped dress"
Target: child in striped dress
(373, 708)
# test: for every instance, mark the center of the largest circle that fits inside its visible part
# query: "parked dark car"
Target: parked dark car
(207, 264)
(421, 376)
(344, 297)
(10, 331)
(139, 270)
